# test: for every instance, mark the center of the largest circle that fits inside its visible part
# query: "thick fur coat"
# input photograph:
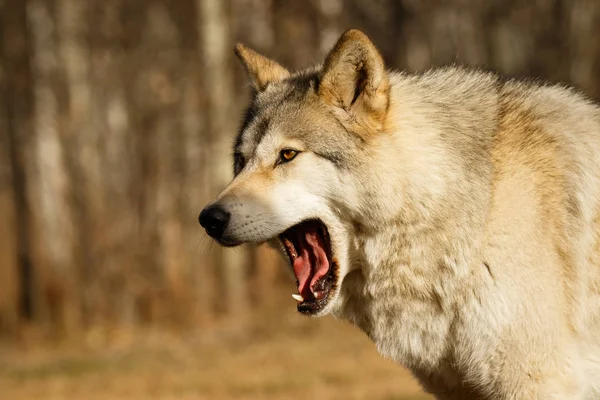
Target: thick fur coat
(463, 211)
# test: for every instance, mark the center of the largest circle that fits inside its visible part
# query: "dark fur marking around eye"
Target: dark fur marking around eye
(249, 116)
(239, 162)
(261, 130)
(335, 157)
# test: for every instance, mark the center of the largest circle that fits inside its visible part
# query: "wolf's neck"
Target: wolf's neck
(402, 295)
(428, 186)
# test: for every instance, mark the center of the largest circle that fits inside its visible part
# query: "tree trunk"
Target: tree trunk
(216, 56)
(101, 38)
(52, 180)
(19, 115)
(9, 231)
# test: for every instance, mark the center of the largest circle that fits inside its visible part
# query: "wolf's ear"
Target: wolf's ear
(260, 69)
(354, 78)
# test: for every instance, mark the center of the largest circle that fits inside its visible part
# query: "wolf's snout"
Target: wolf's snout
(214, 220)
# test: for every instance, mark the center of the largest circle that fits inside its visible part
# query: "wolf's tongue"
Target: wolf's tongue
(312, 262)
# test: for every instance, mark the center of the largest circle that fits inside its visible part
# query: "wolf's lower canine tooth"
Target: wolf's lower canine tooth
(298, 298)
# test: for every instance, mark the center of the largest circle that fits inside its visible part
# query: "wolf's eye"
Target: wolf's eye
(287, 155)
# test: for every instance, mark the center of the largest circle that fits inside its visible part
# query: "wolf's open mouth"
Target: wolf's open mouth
(308, 247)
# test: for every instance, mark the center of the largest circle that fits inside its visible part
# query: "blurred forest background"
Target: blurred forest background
(116, 122)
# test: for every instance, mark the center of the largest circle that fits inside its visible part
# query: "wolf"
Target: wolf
(452, 215)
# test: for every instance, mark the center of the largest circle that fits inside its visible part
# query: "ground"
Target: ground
(295, 358)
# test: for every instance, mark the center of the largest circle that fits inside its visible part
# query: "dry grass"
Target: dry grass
(291, 357)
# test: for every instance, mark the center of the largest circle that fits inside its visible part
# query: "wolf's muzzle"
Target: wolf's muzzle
(214, 220)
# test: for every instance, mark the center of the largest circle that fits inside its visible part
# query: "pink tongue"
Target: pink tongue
(311, 263)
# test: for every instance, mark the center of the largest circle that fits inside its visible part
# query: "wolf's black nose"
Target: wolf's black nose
(214, 219)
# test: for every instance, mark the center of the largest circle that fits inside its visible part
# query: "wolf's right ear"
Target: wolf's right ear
(261, 70)
(354, 78)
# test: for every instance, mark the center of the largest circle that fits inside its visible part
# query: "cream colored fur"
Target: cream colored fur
(465, 216)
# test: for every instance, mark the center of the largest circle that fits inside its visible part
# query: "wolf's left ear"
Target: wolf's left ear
(260, 69)
(354, 78)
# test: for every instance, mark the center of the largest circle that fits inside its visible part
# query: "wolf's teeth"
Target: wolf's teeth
(317, 294)
(298, 298)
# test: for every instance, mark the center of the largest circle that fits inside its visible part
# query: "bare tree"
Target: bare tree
(216, 56)
(8, 209)
(18, 108)
(51, 204)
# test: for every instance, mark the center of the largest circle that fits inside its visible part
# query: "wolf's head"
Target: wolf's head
(300, 163)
